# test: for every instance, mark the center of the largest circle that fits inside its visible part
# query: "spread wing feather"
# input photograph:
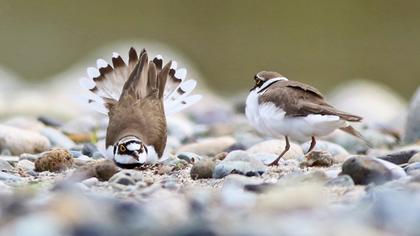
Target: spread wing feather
(106, 82)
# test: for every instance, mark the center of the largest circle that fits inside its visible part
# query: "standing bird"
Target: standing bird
(281, 107)
(137, 97)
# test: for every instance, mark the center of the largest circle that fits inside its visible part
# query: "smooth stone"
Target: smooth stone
(56, 160)
(89, 149)
(8, 177)
(49, 121)
(317, 158)
(239, 162)
(57, 138)
(396, 171)
(97, 155)
(173, 163)
(202, 169)
(26, 165)
(247, 139)
(332, 148)
(125, 178)
(24, 123)
(102, 170)
(399, 157)
(413, 168)
(5, 165)
(208, 146)
(180, 127)
(341, 181)
(376, 103)
(90, 182)
(189, 157)
(80, 125)
(364, 170)
(412, 124)
(5, 152)
(83, 159)
(415, 158)
(20, 141)
(30, 157)
(75, 153)
(276, 146)
(10, 159)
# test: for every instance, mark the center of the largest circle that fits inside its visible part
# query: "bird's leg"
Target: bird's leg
(313, 143)
(276, 162)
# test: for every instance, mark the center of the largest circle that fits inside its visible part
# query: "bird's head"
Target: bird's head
(130, 151)
(264, 76)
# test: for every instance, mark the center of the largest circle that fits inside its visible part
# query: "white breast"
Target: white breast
(270, 120)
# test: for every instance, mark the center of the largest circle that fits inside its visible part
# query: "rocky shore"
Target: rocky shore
(214, 179)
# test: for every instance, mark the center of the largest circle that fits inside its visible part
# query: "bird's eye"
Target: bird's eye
(122, 148)
(258, 82)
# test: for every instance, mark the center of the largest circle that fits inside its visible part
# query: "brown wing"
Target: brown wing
(298, 99)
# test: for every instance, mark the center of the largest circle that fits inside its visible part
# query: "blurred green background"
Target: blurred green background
(318, 42)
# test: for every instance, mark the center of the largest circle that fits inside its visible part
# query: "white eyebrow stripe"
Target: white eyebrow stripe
(133, 146)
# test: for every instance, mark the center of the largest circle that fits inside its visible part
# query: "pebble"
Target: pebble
(11, 159)
(396, 171)
(8, 177)
(20, 141)
(173, 163)
(30, 157)
(202, 169)
(189, 157)
(82, 160)
(209, 146)
(341, 181)
(364, 170)
(49, 121)
(5, 152)
(376, 103)
(24, 123)
(247, 140)
(317, 158)
(25, 165)
(76, 153)
(332, 148)
(57, 138)
(412, 124)
(56, 160)
(413, 168)
(80, 125)
(89, 149)
(90, 182)
(276, 146)
(125, 178)
(102, 170)
(5, 165)
(415, 158)
(97, 155)
(239, 162)
(399, 157)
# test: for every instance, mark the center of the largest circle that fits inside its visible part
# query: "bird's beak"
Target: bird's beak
(255, 86)
(136, 156)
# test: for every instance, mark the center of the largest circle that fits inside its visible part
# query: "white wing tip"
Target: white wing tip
(181, 73)
(174, 65)
(115, 55)
(101, 63)
(86, 83)
(92, 72)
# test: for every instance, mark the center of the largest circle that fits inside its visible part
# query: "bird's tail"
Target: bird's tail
(106, 83)
(350, 130)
